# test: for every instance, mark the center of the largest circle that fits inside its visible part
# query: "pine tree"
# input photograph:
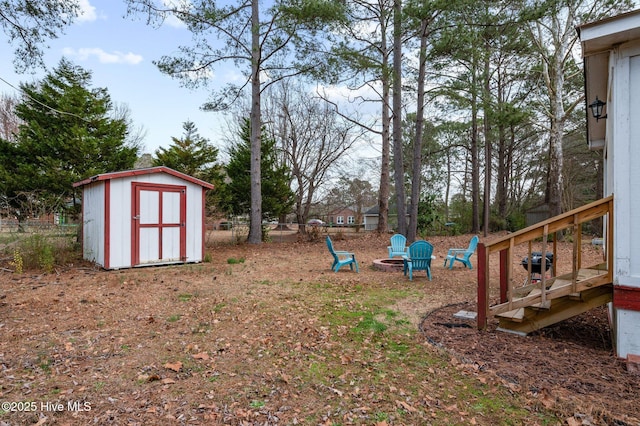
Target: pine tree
(277, 197)
(67, 134)
(192, 155)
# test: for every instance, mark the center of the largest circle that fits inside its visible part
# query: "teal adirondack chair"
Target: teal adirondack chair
(462, 255)
(398, 246)
(341, 258)
(418, 258)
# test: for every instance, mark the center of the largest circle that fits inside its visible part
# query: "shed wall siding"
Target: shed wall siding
(119, 216)
(93, 238)
(121, 208)
(195, 220)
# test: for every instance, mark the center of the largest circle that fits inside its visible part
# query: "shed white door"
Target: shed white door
(158, 223)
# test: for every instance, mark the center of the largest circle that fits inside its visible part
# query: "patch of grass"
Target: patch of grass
(257, 404)
(42, 251)
(369, 324)
(185, 297)
(398, 348)
(44, 363)
(8, 237)
(380, 416)
(173, 318)
(234, 261)
(322, 371)
(218, 307)
(363, 324)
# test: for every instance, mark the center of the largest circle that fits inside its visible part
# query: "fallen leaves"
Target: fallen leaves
(406, 406)
(175, 366)
(202, 355)
(246, 339)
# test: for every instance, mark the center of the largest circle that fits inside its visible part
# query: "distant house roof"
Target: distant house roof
(342, 210)
(372, 211)
(375, 211)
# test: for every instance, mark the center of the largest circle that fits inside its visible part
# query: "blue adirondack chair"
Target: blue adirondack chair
(341, 258)
(398, 246)
(418, 258)
(462, 255)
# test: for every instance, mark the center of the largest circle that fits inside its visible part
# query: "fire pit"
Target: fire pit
(388, 265)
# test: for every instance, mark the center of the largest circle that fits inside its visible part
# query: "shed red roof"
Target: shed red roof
(147, 171)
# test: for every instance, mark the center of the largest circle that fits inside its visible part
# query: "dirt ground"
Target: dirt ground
(215, 343)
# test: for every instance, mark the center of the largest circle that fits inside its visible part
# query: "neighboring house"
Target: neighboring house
(142, 217)
(611, 52)
(345, 216)
(370, 218)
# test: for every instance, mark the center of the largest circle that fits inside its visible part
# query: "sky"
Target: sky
(119, 52)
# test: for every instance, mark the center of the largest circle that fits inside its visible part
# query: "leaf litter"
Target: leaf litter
(281, 339)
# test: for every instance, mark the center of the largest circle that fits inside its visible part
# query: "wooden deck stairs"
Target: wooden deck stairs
(591, 294)
(546, 300)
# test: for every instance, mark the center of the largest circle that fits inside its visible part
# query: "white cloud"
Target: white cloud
(87, 12)
(103, 57)
(171, 19)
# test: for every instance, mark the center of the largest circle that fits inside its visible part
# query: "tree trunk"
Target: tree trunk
(487, 144)
(383, 193)
(397, 117)
(557, 124)
(255, 226)
(416, 175)
(447, 187)
(475, 162)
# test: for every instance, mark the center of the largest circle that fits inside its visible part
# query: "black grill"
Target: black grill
(536, 262)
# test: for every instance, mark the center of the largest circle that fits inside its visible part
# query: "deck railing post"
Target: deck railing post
(505, 275)
(483, 286)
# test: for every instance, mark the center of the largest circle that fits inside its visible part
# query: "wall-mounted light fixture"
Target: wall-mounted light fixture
(596, 109)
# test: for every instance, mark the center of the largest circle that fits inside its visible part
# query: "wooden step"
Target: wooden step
(517, 315)
(561, 309)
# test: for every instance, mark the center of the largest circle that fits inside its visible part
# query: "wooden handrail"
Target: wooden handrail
(505, 247)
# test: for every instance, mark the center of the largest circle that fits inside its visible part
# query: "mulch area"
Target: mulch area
(567, 365)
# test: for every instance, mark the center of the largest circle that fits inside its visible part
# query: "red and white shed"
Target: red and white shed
(153, 216)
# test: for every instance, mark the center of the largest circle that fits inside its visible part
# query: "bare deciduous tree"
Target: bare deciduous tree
(313, 140)
(9, 121)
